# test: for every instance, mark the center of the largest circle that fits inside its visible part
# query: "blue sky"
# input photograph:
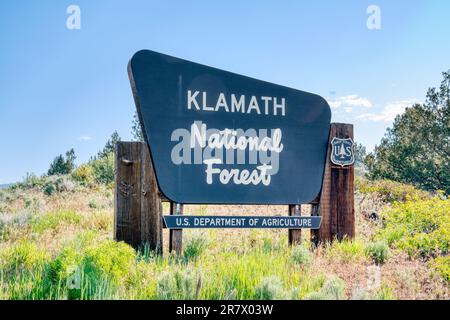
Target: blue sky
(62, 88)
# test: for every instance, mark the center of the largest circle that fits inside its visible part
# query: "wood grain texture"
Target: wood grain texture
(137, 209)
(336, 205)
(176, 235)
(295, 235)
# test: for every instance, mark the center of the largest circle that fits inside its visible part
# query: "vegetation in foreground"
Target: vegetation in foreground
(58, 245)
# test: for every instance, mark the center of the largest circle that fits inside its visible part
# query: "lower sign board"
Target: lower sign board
(220, 137)
(212, 222)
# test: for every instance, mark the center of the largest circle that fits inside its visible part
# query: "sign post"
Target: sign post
(336, 204)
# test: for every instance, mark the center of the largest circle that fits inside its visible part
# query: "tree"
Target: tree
(63, 165)
(136, 129)
(110, 145)
(417, 148)
(360, 155)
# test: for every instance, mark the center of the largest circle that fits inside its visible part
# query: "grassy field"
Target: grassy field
(58, 245)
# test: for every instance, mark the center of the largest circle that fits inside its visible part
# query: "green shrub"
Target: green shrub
(346, 250)
(22, 256)
(332, 289)
(442, 265)
(103, 169)
(301, 255)
(31, 180)
(84, 175)
(195, 244)
(100, 268)
(390, 191)
(22, 272)
(385, 292)
(53, 220)
(270, 288)
(10, 222)
(57, 183)
(421, 227)
(179, 285)
(377, 251)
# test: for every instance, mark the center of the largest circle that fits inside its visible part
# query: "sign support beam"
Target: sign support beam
(295, 235)
(137, 205)
(176, 235)
(336, 205)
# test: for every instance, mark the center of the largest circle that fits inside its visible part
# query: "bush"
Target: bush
(421, 228)
(194, 246)
(22, 256)
(301, 255)
(384, 293)
(378, 251)
(55, 184)
(22, 272)
(179, 285)
(332, 289)
(390, 191)
(270, 288)
(53, 220)
(103, 169)
(442, 265)
(346, 250)
(97, 269)
(32, 181)
(84, 175)
(11, 222)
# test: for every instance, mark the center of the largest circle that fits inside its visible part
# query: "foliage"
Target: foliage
(110, 146)
(103, 169)
(270, 288)
(57, 183)
(378, 251)
(97, 266)
(63, 165)
(390, 191)
(301, 255)
(416, 149)
(442, 265)
(136, 129)
(53, 220)
(84, 175)
(360, 155)
(30, 181)
(346, 251)
(194, 245)
(385, 292)
(421, 227)
(178, 284)
(333, 289)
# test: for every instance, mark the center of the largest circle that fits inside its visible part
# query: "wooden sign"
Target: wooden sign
(219, 137)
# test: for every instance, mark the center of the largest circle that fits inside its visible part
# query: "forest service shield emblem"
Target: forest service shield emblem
(342, 151)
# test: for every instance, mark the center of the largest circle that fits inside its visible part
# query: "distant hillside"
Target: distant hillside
(4, 186)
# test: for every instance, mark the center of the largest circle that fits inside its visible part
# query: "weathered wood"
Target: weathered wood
(295, 235)
(137, 217)
(151, 213)
(176, 235)
(336, 205)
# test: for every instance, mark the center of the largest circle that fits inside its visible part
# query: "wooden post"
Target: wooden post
(137, 207)
(295, 235)
(336, 204)
(176, 235)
